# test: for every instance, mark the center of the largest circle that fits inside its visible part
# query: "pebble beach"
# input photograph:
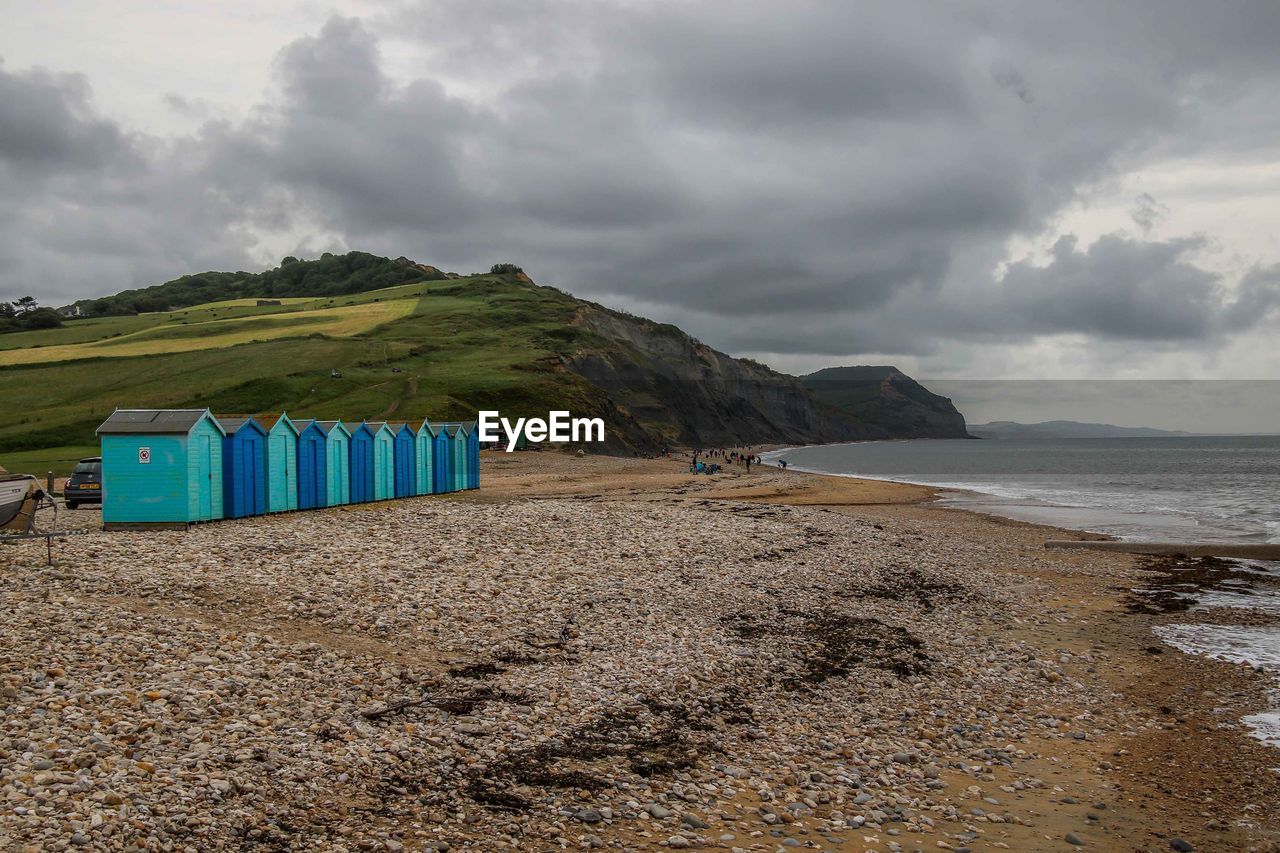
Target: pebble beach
(611, 653)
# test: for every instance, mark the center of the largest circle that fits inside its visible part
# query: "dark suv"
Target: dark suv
(85, 484)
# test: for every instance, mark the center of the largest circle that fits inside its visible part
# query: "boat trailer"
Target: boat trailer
(24, 520)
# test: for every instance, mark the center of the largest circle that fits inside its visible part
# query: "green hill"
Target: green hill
(430, 344)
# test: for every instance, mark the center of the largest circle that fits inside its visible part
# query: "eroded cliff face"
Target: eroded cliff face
(684, 392)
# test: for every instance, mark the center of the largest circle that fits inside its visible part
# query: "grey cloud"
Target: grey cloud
(46, 124)
(1257, 298)
(1147, 212)
(193, 108)
(1129, 289)
(818, 62)
(335, 73)
(1135, 297)
(1114, 288)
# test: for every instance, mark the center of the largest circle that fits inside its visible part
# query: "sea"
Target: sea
(1165, 489)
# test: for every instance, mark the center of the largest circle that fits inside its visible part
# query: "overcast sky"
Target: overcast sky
(969, 190)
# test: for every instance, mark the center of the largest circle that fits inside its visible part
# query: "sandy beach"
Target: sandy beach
(599, 652)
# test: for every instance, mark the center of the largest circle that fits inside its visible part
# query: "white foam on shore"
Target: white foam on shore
(1258, 647)
(1273, 531)
(1265, 727)
(1265, 602)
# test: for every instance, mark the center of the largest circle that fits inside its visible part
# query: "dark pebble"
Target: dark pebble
(1180, 845)
(1072, 838)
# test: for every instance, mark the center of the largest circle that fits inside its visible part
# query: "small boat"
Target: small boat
(19, 496)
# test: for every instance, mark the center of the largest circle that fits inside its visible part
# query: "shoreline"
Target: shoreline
(770, 629)
(1033, 505)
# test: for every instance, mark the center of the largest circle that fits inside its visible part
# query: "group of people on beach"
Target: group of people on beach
(746, 458)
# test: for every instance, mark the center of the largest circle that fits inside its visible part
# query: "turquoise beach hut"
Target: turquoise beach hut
(313, 457)
(282, 465)
(244, 467)
(423, 458)
(384, 461)
(161, 467)
(440, 463)
(337, 439)
(405, 464)
(457, 457)
(361, 462)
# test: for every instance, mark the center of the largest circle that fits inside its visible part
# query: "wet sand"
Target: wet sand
(597, 652)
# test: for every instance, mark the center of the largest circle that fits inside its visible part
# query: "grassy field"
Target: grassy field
(217, 333)
(59, 460)
(439, 349)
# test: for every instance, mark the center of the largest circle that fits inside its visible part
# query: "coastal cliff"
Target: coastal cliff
(888, 398)
(685, 392)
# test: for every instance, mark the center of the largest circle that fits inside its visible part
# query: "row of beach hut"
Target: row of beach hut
(178, 466)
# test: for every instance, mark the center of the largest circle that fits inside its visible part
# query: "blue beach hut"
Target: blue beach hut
(244, 467)
(282, 464)
(473, 455)
(405, 461)
(361, 462)
(423, 459)
(440, 462)
(337, 462)
(161, 467)
(313, 457)
(384, 461)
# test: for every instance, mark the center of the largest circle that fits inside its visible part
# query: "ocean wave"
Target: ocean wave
(1138, 505)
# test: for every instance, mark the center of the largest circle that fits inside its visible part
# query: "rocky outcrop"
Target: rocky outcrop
(888, 398)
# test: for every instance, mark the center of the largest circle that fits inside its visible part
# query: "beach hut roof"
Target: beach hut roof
(430, 428)
(270, 422)
(326, 426)
(234, 425)
(398, 426)
(152, 421)
(378, 426)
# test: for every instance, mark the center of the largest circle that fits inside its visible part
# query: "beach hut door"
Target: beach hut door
(250, 478)
(311, 482)
(204, 461)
